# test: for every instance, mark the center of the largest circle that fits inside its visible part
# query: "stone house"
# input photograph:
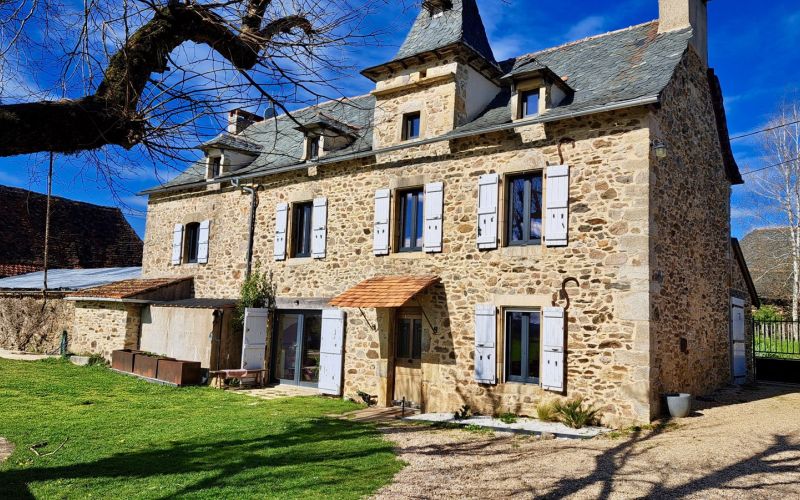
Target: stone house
(768, 252)
(483, 232)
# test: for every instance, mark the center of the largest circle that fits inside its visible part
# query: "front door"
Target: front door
(296, 347)
(408, 359)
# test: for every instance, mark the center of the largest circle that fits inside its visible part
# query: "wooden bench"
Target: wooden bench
(255, 378)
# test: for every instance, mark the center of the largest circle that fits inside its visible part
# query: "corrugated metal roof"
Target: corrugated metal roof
(70, 279)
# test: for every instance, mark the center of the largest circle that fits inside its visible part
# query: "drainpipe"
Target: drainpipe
(252, 225)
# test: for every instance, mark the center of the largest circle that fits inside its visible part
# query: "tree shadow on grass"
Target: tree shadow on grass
(336, 453)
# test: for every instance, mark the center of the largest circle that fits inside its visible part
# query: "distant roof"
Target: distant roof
(127, 289)
(70, 279)
(768, 255)
(82, 235)
(624, 68)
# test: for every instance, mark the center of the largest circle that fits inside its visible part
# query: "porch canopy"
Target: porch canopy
(384, 291)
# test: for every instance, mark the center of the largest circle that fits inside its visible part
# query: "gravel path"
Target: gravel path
(742, 443)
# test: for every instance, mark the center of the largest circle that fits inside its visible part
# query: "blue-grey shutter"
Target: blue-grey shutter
(319, 225)
(433, 207)
(556, 225)
(331, 352)
(487, 211)
(485, 343)
(254, 341)
(738, 350)
(281, 224)
(177, 244)
(202, 241)
(553, 336)
(380, 236)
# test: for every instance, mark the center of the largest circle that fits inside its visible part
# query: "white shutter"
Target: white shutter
(177, 244)
(433, 208)
(281, 222)
(556, 224)
(487, 211)
(331, 352)
(319, 227)
(254, 341)
(485, 344)
(738, 341)
(380, 237)
(553, 349)
(202, 243)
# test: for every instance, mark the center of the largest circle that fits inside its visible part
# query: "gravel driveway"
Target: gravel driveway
(740, 443)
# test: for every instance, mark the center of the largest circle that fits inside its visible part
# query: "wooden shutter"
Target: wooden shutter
(177, 244)
(380, 237)
(553, 349)
(433, 208)
(485, 344)
(319, 227)
(556, 225)
(331, 352)
(254, 341)
(487, 211)
(738, 351)
(281, 222)
(202, 242)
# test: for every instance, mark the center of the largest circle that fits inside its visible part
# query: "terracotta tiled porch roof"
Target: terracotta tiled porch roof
(384, 291)
(127, 289)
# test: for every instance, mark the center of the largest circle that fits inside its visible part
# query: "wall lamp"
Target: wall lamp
(660, 149)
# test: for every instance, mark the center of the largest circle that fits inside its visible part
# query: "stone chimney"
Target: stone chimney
(239, 119)
(679, 14)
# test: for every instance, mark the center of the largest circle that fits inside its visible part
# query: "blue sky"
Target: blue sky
(754, 51)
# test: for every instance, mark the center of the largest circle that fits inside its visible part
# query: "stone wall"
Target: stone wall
(102, 327)
(608, 345)
(690, 241)
(28, 323)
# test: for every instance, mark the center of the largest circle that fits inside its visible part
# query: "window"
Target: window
(411, 123)
(192, 242)
(525, 209)
(313, 147)
(409, 338)
(523, 340)
(301, 229)
(529, 102)
(411, 220)
(214, 166)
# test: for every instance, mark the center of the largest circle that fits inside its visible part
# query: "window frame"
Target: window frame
(525, 378)
(214, 166)
(526, 222)
(416, 211)
(408, 119)
(413, 347)
(523, 102)
(313, 147)
(191, 242)
(304, 210)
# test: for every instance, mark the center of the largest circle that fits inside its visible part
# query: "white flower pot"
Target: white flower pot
(679, 404)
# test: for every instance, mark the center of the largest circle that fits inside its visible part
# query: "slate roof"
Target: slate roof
(230, 141)
(82, 235)
(460, 24)
(621, 68)
(384, 291)
(768, 256)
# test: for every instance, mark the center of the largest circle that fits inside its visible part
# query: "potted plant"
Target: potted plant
(679, 404)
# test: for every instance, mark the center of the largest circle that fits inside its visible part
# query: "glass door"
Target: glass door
(296, 348)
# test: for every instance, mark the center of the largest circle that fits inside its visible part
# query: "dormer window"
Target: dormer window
(214, 166)
(411, 126)
(314, 147)
(529, 103)
(437, 7)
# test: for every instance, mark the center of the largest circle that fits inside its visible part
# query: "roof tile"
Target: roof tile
(384, 291)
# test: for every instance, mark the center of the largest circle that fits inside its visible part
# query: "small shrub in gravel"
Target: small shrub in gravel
(574, 414)
(547, 412)
(464, 413)
(508, 418)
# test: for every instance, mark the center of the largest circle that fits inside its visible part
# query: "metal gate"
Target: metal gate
(776, 349)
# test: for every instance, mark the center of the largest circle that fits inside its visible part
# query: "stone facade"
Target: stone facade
(102, 327)
(646, 263)
(29, 323)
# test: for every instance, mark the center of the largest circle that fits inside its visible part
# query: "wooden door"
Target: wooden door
(408, 359)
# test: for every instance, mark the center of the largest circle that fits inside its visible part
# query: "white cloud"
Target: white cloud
(588, 26)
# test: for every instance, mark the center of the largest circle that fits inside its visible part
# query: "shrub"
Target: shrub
(548, 412)
(767, 313)
(508, 418)
(258, 290)
(574, 414)
(464, 413)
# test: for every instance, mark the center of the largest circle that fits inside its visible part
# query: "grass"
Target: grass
(126, 438)
(772, 348)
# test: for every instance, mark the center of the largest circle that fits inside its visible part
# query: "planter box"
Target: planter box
(145, 366)
(122, 360)
(179, 372)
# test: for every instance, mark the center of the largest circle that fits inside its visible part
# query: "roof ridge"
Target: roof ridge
(57, 197)
(582, 40)
(310, 106)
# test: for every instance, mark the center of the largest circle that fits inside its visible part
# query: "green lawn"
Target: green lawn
(767, 347)
(129, 438)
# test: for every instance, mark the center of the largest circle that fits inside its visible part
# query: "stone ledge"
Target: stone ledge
(521, 426)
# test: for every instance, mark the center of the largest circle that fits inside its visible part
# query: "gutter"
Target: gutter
(642, 101)
(109, 299)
